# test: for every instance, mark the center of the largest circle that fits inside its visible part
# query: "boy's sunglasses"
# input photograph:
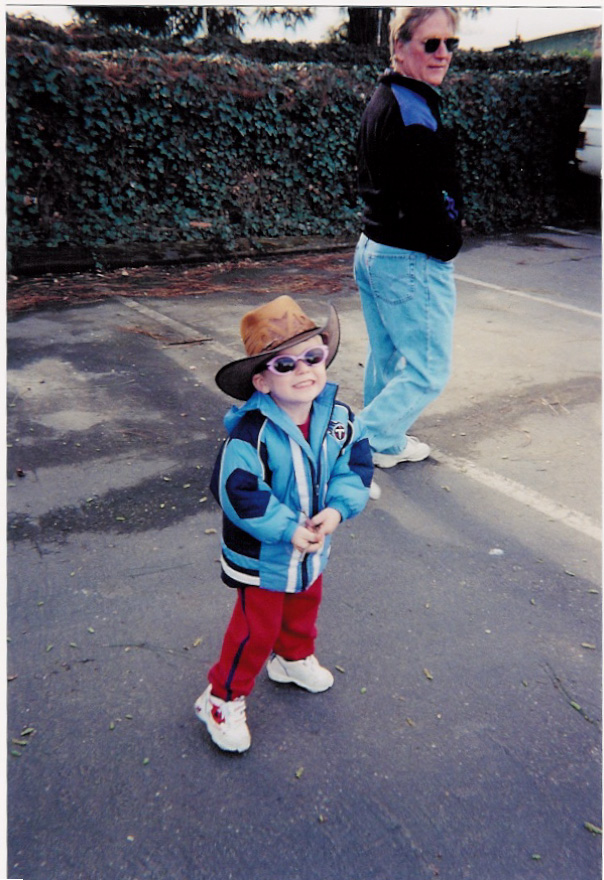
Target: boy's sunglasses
(433, 44)
(285, 363)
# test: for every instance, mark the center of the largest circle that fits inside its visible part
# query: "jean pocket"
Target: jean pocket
(394, 277)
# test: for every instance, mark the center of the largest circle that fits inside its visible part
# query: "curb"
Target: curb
(31, 262)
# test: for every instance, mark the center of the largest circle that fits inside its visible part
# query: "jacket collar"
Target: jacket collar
(321, 413)
(392, 77)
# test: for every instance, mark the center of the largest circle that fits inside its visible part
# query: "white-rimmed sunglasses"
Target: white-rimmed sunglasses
(285, 363)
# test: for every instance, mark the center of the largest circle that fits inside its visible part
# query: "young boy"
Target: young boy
(289, 472)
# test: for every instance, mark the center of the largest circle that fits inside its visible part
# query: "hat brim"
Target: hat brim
(235, 379)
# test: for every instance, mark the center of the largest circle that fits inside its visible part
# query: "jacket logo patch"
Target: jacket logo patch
(337, 430)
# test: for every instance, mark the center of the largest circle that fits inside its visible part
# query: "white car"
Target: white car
(589, 147)
(589, 143)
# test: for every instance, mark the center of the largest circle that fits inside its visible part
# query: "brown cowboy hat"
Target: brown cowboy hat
(266, 331)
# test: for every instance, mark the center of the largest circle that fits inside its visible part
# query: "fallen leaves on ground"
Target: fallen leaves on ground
(319, 274)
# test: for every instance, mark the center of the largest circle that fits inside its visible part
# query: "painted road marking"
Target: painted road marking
(524, 295)
(518, 492)
(172, 323)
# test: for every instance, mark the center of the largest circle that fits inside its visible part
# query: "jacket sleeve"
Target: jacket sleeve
(246, 498)
(348, 489)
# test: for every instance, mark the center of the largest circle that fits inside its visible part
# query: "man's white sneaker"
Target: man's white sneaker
(307, 673)
(414, 450)
(374, 491)
(225, 721)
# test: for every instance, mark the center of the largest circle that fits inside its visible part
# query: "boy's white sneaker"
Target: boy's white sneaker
(225, 721)
(307, 673)
(375, 493)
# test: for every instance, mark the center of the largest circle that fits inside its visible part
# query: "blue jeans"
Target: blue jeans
(408, 302)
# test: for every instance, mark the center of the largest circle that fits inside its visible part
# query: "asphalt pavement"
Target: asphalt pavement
(461, 613)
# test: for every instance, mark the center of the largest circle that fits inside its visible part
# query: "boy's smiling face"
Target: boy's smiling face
(295, 391)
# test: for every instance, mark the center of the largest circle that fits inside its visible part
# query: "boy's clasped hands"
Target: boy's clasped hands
(310, 537)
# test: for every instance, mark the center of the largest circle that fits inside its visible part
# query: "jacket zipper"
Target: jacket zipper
(314, 509)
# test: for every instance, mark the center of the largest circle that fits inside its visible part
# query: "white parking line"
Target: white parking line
(155, 315)
(524, 295)
(552, 509)
(172, 323)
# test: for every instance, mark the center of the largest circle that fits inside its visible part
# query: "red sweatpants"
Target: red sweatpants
(262, 622)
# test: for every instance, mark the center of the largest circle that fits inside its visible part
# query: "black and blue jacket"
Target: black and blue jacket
(406, 168)
(268, 480)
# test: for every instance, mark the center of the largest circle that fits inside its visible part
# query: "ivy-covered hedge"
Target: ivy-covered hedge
(137, 145)
(517, 133)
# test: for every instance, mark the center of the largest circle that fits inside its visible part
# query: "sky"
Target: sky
(491, 28)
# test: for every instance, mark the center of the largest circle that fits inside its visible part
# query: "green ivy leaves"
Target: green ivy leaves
(139, 146)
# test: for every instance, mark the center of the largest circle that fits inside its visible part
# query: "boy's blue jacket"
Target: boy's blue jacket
(268, 480)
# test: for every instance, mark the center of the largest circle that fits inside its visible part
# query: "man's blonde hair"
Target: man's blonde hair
(408, 18)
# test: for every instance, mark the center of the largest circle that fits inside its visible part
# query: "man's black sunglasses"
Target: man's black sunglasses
(431, 45)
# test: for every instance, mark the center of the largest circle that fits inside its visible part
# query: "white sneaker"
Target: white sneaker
(414, 450)
(374, 491)
(307, 673)
(225, 721)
